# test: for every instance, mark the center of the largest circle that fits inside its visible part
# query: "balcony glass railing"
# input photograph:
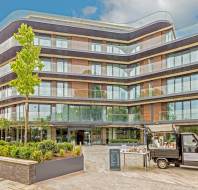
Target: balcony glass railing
(95, 47)
(5, 69)
(186, 115)
(120, 95)
(88, 117)
(182, 59)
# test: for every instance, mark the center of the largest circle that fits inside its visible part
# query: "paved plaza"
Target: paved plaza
(98, 177)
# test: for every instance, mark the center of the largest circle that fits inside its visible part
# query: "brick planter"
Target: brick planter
(28, 172)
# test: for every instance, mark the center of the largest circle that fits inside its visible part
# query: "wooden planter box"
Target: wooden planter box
(28, 172)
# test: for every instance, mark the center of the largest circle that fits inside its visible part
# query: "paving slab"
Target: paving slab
(98, 177)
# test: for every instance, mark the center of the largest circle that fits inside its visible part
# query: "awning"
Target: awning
(161, 128)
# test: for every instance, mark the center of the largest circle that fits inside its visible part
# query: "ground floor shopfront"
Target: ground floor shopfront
(77, 134)
(95, 135)
(98, 135)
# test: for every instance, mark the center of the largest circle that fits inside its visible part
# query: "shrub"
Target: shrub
(16, 144)
(65, 146)
(37, 155)
(69, 146)
(46, 146)
(14, 152)
(3, 143)
(32, 144)
(62, 152)
(25, 152)
(48, 155)
(5, 150)
(77, 150)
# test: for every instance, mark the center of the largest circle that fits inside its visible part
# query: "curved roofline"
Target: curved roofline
(130, 26)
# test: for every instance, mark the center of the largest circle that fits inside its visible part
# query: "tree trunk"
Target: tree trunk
(41, 135)
(17, 134)
(6, 134)
(21, 133)
(26, 119)
(1, 134)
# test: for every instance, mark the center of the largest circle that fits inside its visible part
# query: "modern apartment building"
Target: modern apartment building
(104, 81)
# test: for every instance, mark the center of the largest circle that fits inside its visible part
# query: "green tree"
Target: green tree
(27, 61)
(4, 125)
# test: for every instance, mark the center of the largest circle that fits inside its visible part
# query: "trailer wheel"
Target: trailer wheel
(162, 163)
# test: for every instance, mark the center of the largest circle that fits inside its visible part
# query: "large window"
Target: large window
(134, 92)
(20, 112)
(194, 109)
(186, 57)
(96, 68)
(194, 55)
(170, 86)
(62, 89)
(97, 47)
(169, 36)
(61, 112)
(186, 83)
(182, 58)
(178, 84)
(47, 65)
(117, 92)
(86, 113)
(178, 60)
(96, 91)
(170, 61)
(182, 110)
(186, 110)
(74, 113)
(61, 42)
(182, 84)
(115, 49)
(39, 111)
(134, 69)
(62, 66)
(117, 114)
(44, 89)
(135, 114)
(194, 82)
(44, 41)
(117, 70)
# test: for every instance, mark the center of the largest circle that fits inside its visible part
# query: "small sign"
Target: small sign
(114, 158)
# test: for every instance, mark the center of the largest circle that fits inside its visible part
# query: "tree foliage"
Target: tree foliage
(27, 61)
(24, 66)
(4, 123)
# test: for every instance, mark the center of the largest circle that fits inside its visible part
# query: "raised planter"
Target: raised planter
(28, 172)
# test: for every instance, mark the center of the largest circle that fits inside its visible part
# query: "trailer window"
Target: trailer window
(190, 144)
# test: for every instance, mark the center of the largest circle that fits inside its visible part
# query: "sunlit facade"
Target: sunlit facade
(102, 81)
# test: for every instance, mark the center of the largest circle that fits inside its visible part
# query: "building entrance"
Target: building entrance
(80, 137)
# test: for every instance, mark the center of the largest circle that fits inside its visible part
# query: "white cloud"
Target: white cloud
(89, 10)
(184, 12)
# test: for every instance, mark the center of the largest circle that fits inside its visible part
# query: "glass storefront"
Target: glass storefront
(123, 135)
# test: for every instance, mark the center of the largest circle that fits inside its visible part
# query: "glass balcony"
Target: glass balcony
(86, 118)
(88, 94)
(170, 116)
(96, 69)
(5, 69)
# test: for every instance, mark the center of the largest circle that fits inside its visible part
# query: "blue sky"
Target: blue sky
(63, 7)
(184, 12)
